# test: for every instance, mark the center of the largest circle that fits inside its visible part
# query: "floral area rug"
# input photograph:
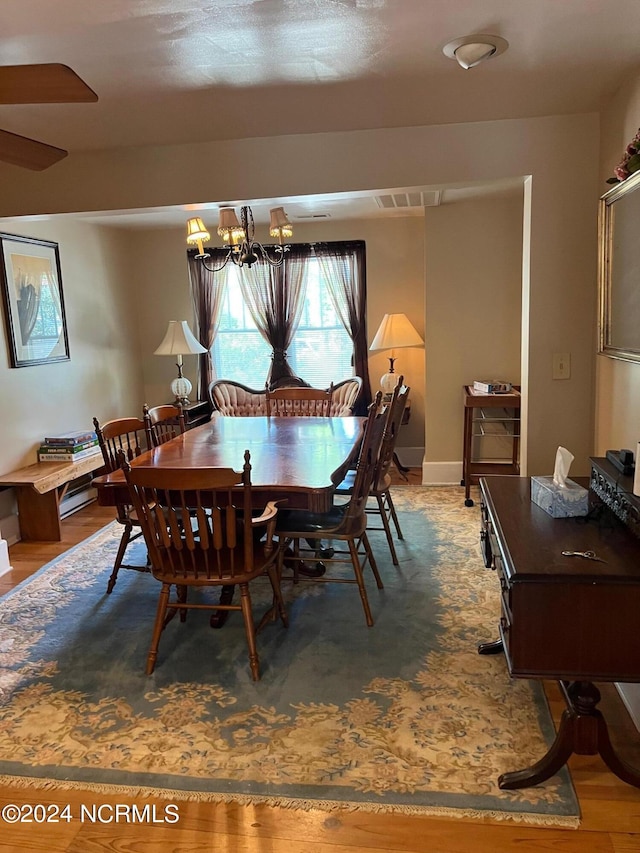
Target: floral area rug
(404, 716)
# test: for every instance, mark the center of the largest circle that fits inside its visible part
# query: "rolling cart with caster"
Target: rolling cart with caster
(489, 419)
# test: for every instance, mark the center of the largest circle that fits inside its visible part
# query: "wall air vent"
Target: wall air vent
(398, 201)
(313, 216)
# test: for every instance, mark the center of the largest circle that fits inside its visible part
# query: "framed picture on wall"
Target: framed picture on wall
(33, 301)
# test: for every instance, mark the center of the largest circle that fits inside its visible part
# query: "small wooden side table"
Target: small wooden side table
(480, 410)
(196, 413)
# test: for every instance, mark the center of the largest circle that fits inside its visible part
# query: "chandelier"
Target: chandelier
(243, 249)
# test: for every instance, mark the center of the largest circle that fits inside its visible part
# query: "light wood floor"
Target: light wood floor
(610, 808)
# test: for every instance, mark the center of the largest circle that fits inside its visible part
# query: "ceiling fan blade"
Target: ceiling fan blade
(28, 153)
(49, 83)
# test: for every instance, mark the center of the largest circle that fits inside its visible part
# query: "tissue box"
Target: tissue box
(559, 501)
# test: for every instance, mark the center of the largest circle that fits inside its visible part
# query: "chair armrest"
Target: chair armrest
(268, 518)
(269, 512)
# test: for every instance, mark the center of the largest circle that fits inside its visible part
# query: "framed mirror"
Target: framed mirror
(33, 301)
(619, 271)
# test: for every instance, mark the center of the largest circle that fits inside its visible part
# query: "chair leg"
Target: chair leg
(355, 559)
(158, 626)
(387, 528)
(250, 631)
(394, 514)
(372, 560)
(122, 547)
(272, 571)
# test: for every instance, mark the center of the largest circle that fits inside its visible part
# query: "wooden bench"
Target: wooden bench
(40, 489)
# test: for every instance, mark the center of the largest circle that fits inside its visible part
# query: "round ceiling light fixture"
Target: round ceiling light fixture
(470, 51)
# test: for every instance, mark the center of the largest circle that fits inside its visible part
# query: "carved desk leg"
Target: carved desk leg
(583, 730)
(493, 647)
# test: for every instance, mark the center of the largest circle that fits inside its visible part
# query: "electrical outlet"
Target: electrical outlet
(561, 365)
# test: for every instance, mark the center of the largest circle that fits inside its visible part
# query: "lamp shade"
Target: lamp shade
(228, 226)
(196, 230)
(396, 331)
(179, 340)
(279, 225)
(197, 233)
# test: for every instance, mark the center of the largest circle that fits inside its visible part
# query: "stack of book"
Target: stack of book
(69, 447)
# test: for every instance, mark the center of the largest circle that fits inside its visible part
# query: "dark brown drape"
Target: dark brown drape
(275, 298)
(207, 291)
(343, 265)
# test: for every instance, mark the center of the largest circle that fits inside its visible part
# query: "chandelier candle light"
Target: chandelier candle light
(179, 341)
(395, 332)
(244, 249)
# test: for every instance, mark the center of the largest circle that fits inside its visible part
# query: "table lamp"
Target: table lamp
(179, 341)
(395, 332)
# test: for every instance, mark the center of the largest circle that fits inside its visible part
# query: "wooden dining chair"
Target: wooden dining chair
(163, 423)
(122, 438)
(299, 402)
(200, 532)
(380, 490)
(345, 522)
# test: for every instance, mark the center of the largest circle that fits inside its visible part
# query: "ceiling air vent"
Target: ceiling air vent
(313, 216)
(397, 201)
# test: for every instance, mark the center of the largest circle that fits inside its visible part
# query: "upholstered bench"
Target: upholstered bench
(232, 399)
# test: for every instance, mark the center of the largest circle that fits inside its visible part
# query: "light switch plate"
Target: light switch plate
(561, 365)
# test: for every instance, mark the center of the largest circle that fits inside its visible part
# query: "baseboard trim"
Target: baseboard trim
(441, 473)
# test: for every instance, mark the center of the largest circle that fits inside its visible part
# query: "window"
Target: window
(46, 328)
(320, 353)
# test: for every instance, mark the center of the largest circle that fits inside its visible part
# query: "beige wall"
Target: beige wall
(617, 382)
(561, 309)
(395, 282)
(473, 301)
(102, 377)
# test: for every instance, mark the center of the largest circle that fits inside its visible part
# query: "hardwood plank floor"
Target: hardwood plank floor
(610, 808)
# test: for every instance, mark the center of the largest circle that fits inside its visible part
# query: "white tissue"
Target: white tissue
(561, 469)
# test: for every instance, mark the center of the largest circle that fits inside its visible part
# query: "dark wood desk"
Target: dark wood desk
(292, 458)
(568, 619)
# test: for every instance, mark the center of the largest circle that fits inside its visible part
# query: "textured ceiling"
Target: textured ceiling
(174, 71)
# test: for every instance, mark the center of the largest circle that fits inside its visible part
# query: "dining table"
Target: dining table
(297, 459)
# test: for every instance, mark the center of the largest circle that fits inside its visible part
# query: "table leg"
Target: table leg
(466, 455)
(583, 731)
